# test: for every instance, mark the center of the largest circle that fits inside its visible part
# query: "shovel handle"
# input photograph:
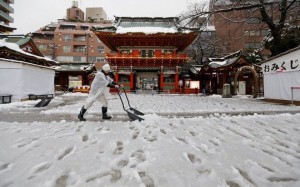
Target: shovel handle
(126, 97)
(121, 99)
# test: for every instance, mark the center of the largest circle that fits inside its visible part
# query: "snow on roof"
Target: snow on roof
(68, 24)
(147, 25)
(75, 67)
(225, 62)
(146, 30)
(209, 28)
(4, 25)
(16, 47)
(27, 63)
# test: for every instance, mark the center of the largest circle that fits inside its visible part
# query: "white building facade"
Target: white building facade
(20, 79)
(282, 76)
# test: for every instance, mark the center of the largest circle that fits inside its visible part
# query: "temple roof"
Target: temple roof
(145, 25)
(6, 28)
(13, 50)
(232, 60)
(146, 31)
(75, 67)
(224, 61)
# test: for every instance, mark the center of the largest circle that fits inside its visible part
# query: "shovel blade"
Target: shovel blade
(134, 117)
(135, 111)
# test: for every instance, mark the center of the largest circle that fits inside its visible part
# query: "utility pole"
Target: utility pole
(88, 36)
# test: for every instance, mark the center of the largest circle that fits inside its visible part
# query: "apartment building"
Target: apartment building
(74, 45)
(96, 14)
(243, 29)
(5, 18)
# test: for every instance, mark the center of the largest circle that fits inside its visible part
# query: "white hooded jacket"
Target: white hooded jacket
(99, 90)
(99, 84)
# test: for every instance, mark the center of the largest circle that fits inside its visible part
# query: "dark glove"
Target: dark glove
(113, 85)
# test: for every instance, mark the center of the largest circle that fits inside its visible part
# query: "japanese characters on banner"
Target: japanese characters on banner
(288, 62)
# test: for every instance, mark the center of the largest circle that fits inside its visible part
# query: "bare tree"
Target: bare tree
(276, 14)
(205, 46)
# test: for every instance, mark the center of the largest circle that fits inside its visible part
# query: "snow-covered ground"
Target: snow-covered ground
(184, 141)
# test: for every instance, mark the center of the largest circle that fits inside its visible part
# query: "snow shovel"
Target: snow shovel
(44, 102)
(130, 115)
(135, 111)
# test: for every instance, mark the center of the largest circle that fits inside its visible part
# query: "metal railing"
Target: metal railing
(6, 16)
(6, 6)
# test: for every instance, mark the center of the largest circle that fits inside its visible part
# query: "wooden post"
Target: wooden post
(131, 78)
(176, 78)
(117, 75)
(161, 78)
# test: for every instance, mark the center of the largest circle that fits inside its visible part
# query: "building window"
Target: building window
(76, 58)
(253, 45)
(77, 13)
(79, 48)
(100, 59)
(67, 27)
(264, 32)
(100, 49)
(43, 47)
(67, 37)
(253, 21)
(92, 59)
(79, 38)
(84, 27)
(67, 49)
(206, 34)
(256, 32)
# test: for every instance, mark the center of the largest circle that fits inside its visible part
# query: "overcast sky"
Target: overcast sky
(30, 15)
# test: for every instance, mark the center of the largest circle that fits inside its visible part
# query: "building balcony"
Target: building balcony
(6, 17)
(5, 6)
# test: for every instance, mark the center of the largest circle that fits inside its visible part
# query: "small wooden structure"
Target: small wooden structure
(233, 69)
(70, 76)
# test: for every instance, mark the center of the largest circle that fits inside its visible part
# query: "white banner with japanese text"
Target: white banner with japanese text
(283, 63)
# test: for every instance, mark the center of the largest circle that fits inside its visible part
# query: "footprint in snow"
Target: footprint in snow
(193, 158)
(119, 149)
(4, 167)
(115, 176)
(62, 181)
(36, 170)
(232, 184)
(135, 135)
(137, 157)
(163, 131)
(65, 153)
(85, 138)
(148, 181)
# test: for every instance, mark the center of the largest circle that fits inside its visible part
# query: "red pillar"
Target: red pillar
(161, 78)
(117, 75)
(176, 78)
(131, 79)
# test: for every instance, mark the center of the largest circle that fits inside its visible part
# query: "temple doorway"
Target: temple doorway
(147, 81)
